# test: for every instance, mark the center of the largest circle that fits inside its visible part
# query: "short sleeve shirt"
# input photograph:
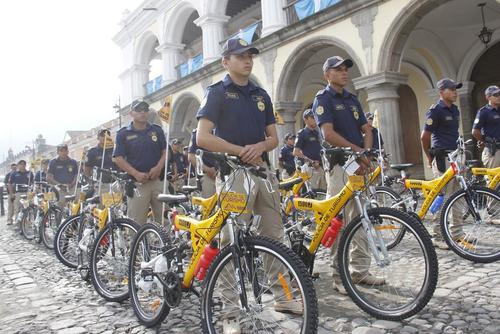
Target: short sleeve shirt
(240, 114)
(488, 121)
(309, 142)
(193, 147)
(442, 122)
(343, 110)
(141, 148)
(64, 171)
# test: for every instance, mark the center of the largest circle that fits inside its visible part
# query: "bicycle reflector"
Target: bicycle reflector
(455, 168)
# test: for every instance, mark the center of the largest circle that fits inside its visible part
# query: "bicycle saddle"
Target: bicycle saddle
(172, 199)
(400, 167)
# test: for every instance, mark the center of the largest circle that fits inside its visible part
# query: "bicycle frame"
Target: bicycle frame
(493, 175)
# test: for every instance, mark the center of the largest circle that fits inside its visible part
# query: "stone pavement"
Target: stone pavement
(40, 295)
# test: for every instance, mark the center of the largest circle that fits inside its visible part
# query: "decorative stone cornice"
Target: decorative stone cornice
(211, 19)
(380, 78)
(170, 47)
(287, 106)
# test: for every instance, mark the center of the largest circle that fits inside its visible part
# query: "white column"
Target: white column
(139, 75)
(273, 16)
(212, 27)
(382, 91)
(287, 110)
(170, 54)
(467, 112)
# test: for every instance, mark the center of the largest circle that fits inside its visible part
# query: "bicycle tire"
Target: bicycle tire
(102, 241)
(49, 226)
(83, 255)
(398, 236)
(430, 274)
(70, 224)
(455, 245)
(27, 223)
(296, 269)
(163, 309)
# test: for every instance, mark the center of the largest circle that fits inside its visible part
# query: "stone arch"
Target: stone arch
(177, 19)
(392, 48)
(145, 47)
(295, 64)
(184, 111)
(476, 51)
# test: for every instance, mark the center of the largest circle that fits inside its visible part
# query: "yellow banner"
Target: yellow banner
(279, 119)
(166, 109)
(108, 142)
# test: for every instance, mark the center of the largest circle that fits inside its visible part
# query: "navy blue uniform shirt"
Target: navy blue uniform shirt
(442, 122)
(309, 142)
(141, 148)
(342, 110)
(94, 158)
(375, 139)
(40, 176)
(488, 121)
(286, 156)
(180, 161)
(64, 171)
(21, 178)
(240, 114)
(193, 147)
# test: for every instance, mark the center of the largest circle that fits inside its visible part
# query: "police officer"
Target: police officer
(95, 157)
(486, 128)
(286, 159)
(308, 148)
(18, 184)
(375, 132)
(140, 151)
(241, 114)
(440, 134)
(180, 164)
(343, 123)
(62, 173)
(41, 175)
(208, 167)
(10, 196)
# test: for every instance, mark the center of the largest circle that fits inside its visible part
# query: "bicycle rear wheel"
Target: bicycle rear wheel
(27, 223)
(279, 291)
(49, 226)
(410, 274)
(66, 241)
(109, 259)
(392, 232)
(473, 239)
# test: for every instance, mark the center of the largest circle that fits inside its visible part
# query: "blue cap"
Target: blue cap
(336, 61)
(492, 90)
(307, 113)
(237, 46)
(139, 105)
(447, 83)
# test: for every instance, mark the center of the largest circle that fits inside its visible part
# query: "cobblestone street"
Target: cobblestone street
(40, 295)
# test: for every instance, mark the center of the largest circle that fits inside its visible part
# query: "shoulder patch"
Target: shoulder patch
(429, 121)
(320, 110)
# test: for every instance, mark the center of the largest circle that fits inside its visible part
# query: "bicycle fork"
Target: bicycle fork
(375, 243)
(234, 243)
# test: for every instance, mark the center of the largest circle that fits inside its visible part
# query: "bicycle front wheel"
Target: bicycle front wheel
(402, 284)
(27, 223)
(66, 241)
(470, 224)
(392, 232)
(49, 227)
(280, 296)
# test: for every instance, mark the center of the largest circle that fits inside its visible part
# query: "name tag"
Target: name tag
(258, 98)
(496, 117)
(449, 118)
(59, 167)
(130, 137)
(230, 95)
(339, 107)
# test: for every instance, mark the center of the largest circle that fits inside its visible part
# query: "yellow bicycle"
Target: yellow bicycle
(238, 280)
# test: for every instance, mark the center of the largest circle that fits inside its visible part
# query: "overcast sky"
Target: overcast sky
(58, 67)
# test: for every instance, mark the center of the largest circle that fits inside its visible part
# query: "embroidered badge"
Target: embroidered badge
(70, 169)
(153, 136)
(261, 105)
(429, 121)
(356, 115)
(320, 110)
(243, 42)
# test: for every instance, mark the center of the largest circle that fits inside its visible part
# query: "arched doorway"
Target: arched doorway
(184, 117)
(408, 109)
(486, 72)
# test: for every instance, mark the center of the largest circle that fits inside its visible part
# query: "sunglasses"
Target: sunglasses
(496, 95)
(141, 110)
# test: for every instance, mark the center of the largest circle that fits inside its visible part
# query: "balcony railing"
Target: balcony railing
(153, 85)
(193, 64)
(300, 9)
(250, 33)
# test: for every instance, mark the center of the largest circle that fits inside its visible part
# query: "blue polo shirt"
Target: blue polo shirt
(286, 155)
(442, 122)
(141, 148)
(193, 147)
(94, 158)
(40, 176)
(180, 161)
(240, 114)
(21, 178)
(488, 121)
(64, 171)
(343, 110)
(309, 142)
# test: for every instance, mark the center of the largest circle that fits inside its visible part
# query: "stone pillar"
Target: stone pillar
(466, 106)
(273, 16)
(133, 81)
(287, 110)
(170, 53)
(381, 89)
(212, 27)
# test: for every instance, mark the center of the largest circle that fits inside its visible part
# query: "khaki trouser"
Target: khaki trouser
(360, 257)
(451, 187)
(267, 205)
(10, 208)
(318, 178)
(491, 161)
(207, 186)
(17, 206)
(138, 205)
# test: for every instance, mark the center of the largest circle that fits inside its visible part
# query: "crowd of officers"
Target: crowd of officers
(236, 117)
